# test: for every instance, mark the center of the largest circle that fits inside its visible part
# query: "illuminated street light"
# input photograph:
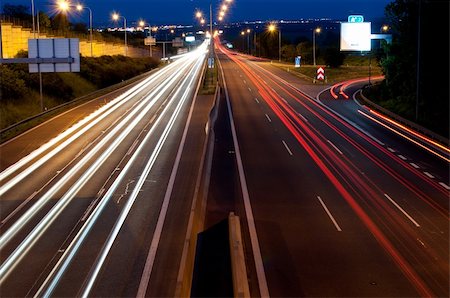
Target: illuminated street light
(80, 8)
(224, 7)
(317, 30)
(63, 5)
(115, 17)
(198, 14)
(385, 28)
(273, 28)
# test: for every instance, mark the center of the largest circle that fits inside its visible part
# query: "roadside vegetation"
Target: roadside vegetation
(19, 92)
(423, 98)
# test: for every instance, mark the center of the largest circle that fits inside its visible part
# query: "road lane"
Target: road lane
(156, 112)
(360, 175)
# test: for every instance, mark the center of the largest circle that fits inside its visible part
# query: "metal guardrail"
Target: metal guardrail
(406, 122)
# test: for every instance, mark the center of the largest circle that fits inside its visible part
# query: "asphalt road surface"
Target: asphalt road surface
(100, 208)
(337, 204)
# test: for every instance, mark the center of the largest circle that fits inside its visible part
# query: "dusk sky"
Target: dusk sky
(182, 11)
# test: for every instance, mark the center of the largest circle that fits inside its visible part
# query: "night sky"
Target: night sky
(182, 11)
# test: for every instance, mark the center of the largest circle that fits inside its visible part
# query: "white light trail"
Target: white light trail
(37, 232)
(91, 120)
(58, 271)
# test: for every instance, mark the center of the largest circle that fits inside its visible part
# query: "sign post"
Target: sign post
(150, 41)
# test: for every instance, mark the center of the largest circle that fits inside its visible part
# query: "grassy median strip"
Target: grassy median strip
(209, 83)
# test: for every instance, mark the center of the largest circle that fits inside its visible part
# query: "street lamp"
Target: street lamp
(142, 24)
(248, 40)
(317, 30)
(80, 8)
(115, 17)
(273, 28)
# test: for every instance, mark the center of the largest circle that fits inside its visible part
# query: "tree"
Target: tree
(333, 57)
(44, 21)
(400, 65)
(80, 28)
(304, 49)
(288, 52)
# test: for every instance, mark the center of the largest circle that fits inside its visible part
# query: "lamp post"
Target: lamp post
(248, 41)
(317, 30)
(116, 17)
(142, 24)
(80, 8)
(272, 28)
(32, 17)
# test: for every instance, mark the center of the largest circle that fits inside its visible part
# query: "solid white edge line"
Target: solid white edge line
(401, 209)
(261, 275)
(338, 228)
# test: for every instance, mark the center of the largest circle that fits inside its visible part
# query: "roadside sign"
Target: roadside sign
(355, 36)
(150, 41)
(355, 19)
(298, 61)
(54, 48)
(320, 74)
(210, 62)
(177, 42)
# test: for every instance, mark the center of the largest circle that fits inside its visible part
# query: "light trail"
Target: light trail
(83, 126)
(370, 139)
(39, 229)
(447, 159)
(416, 134)
(64, 262)
(381, 238)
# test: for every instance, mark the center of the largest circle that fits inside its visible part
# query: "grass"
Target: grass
(334, 75)
(79, 85)
(209, 81)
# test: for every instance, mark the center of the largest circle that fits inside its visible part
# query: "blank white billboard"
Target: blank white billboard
(356, 36)
(55, 48)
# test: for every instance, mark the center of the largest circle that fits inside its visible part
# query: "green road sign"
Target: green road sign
(355, 19)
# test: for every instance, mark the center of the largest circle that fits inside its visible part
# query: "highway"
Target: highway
(337, 204)
(92, 201)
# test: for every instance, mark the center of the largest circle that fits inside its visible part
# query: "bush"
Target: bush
(333, 57)
(12, 86)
